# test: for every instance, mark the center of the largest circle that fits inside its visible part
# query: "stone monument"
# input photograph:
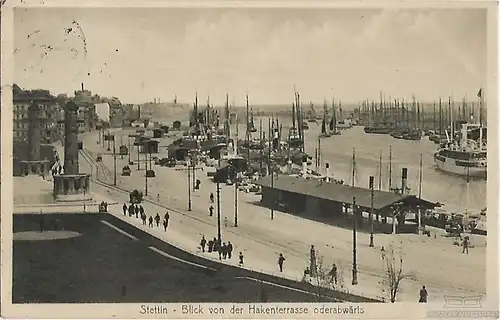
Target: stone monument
(71, 185)
(34, 165)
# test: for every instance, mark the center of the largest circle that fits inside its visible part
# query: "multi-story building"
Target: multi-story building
(50, 112)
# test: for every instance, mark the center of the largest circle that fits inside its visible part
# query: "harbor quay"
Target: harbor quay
(261, 239)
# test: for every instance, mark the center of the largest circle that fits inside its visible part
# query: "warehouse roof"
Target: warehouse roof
(337, 192)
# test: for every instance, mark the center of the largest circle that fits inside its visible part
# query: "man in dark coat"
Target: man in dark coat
(131, 210)
(165, 224)
(210, 245)
(211, 211)
(216, 245)
(229, 249)
(151, 221)
(124, 209)
(167, 216)
(157, 219)
(423, 295)
(143, 217)
(281, 259)
(224, 250)
(203, 243)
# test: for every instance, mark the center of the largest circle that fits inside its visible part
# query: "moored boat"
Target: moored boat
(467, 157)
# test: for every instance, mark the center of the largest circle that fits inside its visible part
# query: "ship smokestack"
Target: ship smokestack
(327, 172)
(82, 86)
(404, 180)
(370, 184)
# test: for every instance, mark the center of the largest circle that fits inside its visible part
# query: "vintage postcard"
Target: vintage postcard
(225, 159)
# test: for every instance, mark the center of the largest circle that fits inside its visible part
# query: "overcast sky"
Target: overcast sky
(140, 54)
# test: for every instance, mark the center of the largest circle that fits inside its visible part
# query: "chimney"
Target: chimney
(327, 171)
(404, 180)
(82, 87)
(370, 184)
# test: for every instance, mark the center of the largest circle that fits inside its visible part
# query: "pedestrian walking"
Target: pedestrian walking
(150, 221)
(240, 256)
(333, 273)
(216, 245)
(141, 210)
(211, 211)
(158, 197)
(229, 249)
(423, 295)
(465, 245)
(224, 250)
(167, 216)
(157, 219)
(143, 217)
(210, 245)
(225, 222)
(124, 209)
(219, 250)
(165, 224)
(131, 210)
(281, 259)
(203, 242)
(211, 197)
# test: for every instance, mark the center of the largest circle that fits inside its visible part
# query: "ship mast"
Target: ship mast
(390, 167)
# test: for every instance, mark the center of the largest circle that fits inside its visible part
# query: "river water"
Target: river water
(437, 186)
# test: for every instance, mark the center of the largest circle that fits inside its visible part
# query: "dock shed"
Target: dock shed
(326, 200)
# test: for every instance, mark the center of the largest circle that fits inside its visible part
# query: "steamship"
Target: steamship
(468, 156)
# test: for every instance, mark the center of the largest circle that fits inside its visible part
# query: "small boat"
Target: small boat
(377, 130)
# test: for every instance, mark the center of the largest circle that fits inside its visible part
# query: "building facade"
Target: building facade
(50, 110)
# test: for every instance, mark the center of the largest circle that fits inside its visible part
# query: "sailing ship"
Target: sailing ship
(333, 121)
(324, 129)
(467, 156)
(311, 114)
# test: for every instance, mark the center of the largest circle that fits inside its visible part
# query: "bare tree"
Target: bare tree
(394, 274)
(325, 278)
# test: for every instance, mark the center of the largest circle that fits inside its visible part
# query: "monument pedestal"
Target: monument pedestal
(72, 187)
(35, 167)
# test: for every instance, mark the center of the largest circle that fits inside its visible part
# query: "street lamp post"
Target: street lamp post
(138, 158)
(146, 174)
(371, 210)
(114, 161)
(219, 236)
(354, 258)
(236, 204)
(189, 185)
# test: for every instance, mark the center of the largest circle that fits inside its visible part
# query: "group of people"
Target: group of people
(139, 212)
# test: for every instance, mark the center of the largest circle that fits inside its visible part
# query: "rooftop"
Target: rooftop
(337, 192)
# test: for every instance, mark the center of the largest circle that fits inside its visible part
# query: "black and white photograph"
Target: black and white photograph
(291, 160)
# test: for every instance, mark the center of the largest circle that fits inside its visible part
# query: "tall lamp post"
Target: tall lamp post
(146, 174)
(219, 236)
(236, 203)
(114, 161)
(354, 257)
(189, 185)
(372, 192)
